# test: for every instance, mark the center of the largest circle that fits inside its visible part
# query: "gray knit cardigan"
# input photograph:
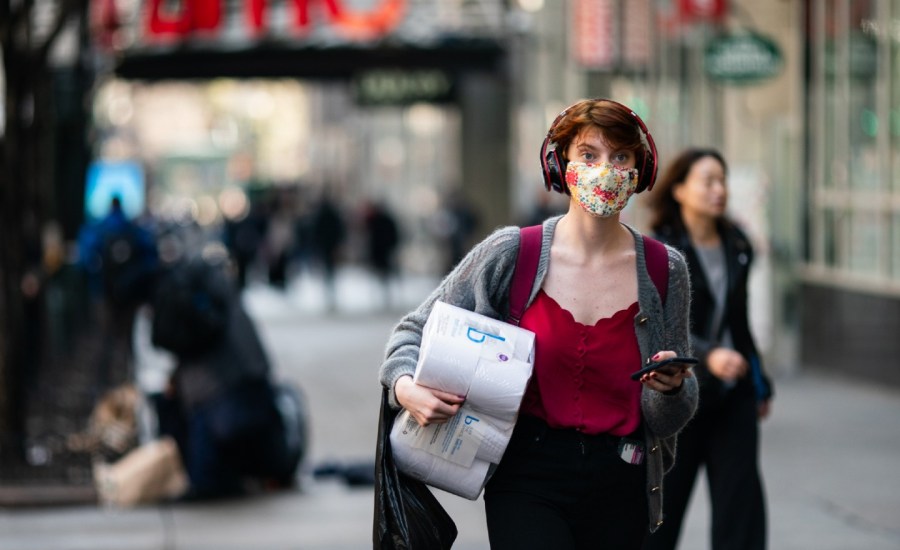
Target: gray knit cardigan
(481, 283)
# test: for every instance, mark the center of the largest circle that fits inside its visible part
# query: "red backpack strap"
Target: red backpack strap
(657, 259)
(530, 240)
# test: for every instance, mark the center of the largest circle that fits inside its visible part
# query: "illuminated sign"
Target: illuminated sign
(157, 39)
(106, 180)
(594, 40)
(204, 17)
(860, 57)
(702, 9)
(607, 35)
(743, 59)
(397, 87)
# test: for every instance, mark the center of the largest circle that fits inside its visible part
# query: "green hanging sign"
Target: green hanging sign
(742, 58)
(862, 56)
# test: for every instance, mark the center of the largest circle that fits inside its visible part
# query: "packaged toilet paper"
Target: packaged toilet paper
(488, 361)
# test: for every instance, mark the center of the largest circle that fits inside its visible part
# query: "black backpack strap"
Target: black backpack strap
(530, 240)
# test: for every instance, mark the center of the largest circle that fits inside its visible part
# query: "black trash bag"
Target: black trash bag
(407, 515)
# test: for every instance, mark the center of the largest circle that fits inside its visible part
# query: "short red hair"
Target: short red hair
(614, 120)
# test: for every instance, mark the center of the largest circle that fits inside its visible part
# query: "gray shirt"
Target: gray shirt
(712, 262)
(481, 283)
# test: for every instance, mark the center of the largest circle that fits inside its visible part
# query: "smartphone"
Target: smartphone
(653, 366)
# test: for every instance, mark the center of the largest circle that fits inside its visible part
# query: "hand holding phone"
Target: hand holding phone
(659, 364)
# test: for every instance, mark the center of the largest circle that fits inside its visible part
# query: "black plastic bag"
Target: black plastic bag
(407, 515)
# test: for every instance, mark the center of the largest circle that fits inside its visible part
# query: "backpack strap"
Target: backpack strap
(530, 239)
(657, 259)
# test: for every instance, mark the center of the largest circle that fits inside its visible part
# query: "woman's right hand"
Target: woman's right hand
(726, 364)
(426, 405)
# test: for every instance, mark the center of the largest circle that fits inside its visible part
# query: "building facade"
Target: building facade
(849, 272)
(812, 141)
(802, 98)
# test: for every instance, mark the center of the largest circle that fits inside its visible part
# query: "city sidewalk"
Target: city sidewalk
(829, 452)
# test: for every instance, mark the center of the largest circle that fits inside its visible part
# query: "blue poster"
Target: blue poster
(106, 180)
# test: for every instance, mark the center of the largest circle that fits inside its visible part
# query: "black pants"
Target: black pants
(561, 489)
(723, 436)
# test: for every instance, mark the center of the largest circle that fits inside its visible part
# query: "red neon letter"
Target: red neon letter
(169, 24)
(373, 24)
(202, 15)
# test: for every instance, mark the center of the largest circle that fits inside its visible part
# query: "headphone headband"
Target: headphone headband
(553, 167)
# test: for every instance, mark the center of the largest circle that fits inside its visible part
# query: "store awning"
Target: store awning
(276, 60)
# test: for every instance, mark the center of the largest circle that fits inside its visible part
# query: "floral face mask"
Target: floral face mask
(602, 189)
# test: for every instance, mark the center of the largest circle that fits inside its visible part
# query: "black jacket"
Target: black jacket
(738, 259)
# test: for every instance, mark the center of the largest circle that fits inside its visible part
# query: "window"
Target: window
(854, 192)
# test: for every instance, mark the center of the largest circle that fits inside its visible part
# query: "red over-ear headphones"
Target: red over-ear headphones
(553, 166)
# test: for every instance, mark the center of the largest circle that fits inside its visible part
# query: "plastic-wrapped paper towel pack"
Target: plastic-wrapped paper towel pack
(488, 361)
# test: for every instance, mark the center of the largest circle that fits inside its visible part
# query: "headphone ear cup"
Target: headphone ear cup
(552, 165)
(647, 176)
(643, 175)
(651, 172)
(554, 176)
(545, 170)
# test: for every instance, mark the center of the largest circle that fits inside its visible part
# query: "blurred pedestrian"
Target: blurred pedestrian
(121, 261)
(382, 238)
(459, 221)
(279, 243)
(586, 460)
(543, 207)
(328, 231)
(221, 404)
(453, 224)
(689, 213)
(243, 237)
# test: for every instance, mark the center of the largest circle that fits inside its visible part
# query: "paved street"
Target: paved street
(830, 453)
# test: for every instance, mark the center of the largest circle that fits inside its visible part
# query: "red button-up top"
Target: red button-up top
(581, 373)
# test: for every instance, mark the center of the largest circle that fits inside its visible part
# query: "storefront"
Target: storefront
(395, 101)
(850, 276)
(716, 74)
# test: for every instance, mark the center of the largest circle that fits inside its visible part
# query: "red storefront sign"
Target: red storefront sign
(607, 35)
(594, 36)
(637, 43)
(205, 16)
(702, 9)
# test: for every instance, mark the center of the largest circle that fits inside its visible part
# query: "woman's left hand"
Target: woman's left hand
(668, 378)
(763, 408)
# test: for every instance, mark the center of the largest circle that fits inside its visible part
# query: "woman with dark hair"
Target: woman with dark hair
(585, 463)
(689, 213)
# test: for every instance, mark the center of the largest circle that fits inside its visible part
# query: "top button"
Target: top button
(642, 320)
